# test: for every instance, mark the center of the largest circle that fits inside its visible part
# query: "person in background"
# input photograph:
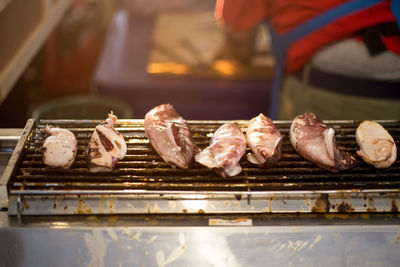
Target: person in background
(348, 68)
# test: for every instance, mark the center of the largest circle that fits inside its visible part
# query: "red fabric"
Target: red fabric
(237, 15)
(392, 43)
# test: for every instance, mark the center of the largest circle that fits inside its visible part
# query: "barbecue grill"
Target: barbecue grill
(142, 183)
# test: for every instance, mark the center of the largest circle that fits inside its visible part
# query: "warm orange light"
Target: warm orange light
(174, 68)
(225, 67)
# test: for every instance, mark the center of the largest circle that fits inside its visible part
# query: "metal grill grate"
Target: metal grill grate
(143, 173)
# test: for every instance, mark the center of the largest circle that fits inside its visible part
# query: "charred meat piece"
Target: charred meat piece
(316, 142)
(377, 146)
(264, 140)
(170, 136)
(226, 148)
(106, 146)
(59, 149)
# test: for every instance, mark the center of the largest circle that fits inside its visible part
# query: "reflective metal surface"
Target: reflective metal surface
(62, 244)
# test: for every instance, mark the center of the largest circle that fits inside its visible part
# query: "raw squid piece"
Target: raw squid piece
(226, 148)
(316, 142)
(264, 140)
(59, 149)
(106, 146)
(377, 146)
(170, 136)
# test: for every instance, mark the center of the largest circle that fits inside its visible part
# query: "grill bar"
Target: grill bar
(143, 175)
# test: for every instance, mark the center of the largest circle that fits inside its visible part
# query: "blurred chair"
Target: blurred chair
(91, 107)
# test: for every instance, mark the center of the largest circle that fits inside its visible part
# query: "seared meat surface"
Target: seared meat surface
(316, 142)
(106, 146)
(59, 148)
(226, 148)
(264, 140)
(377, 146)
(170, 136)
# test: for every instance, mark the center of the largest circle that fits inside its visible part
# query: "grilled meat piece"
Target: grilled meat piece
(264, 140)
(170, 136)
(226, 148)
(59, 149)
(377, 146)
(106, 146)
(316, 142)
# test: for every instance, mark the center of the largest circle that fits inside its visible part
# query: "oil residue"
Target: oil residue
(83, 208)
(110, 204)
(345, 207)
(394, 207)
(371, 205)
(322, 204)
(332, 216)
(26, 204)
(101, 204)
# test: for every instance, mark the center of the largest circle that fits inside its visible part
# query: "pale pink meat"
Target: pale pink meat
(226, 148)
(170, 136)
(316, 142)
(106, 147)
(264, 140)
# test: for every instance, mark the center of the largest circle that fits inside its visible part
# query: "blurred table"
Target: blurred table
(121, 72)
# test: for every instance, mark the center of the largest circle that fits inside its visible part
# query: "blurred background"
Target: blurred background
(81, 58)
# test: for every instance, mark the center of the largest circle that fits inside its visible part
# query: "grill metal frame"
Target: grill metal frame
(143, 184)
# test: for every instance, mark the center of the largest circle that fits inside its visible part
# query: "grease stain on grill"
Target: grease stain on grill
(101, 204)
(332, 216)
(345, 207)
(371, 205)
(148, 209)
(321, 204)
(26, 204)
(110, 204)
(83, 207)
(394, 207)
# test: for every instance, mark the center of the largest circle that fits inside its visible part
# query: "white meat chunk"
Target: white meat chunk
(59, 148)
(377, 146)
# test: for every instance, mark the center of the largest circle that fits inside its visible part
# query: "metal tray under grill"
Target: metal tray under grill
(143, 184)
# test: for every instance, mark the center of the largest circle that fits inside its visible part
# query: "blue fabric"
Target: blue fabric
(281, 42)
(395, 7)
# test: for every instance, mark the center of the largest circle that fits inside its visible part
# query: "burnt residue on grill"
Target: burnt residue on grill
(344, 207)
(322, 204)
(394, 207)
(142, 169)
